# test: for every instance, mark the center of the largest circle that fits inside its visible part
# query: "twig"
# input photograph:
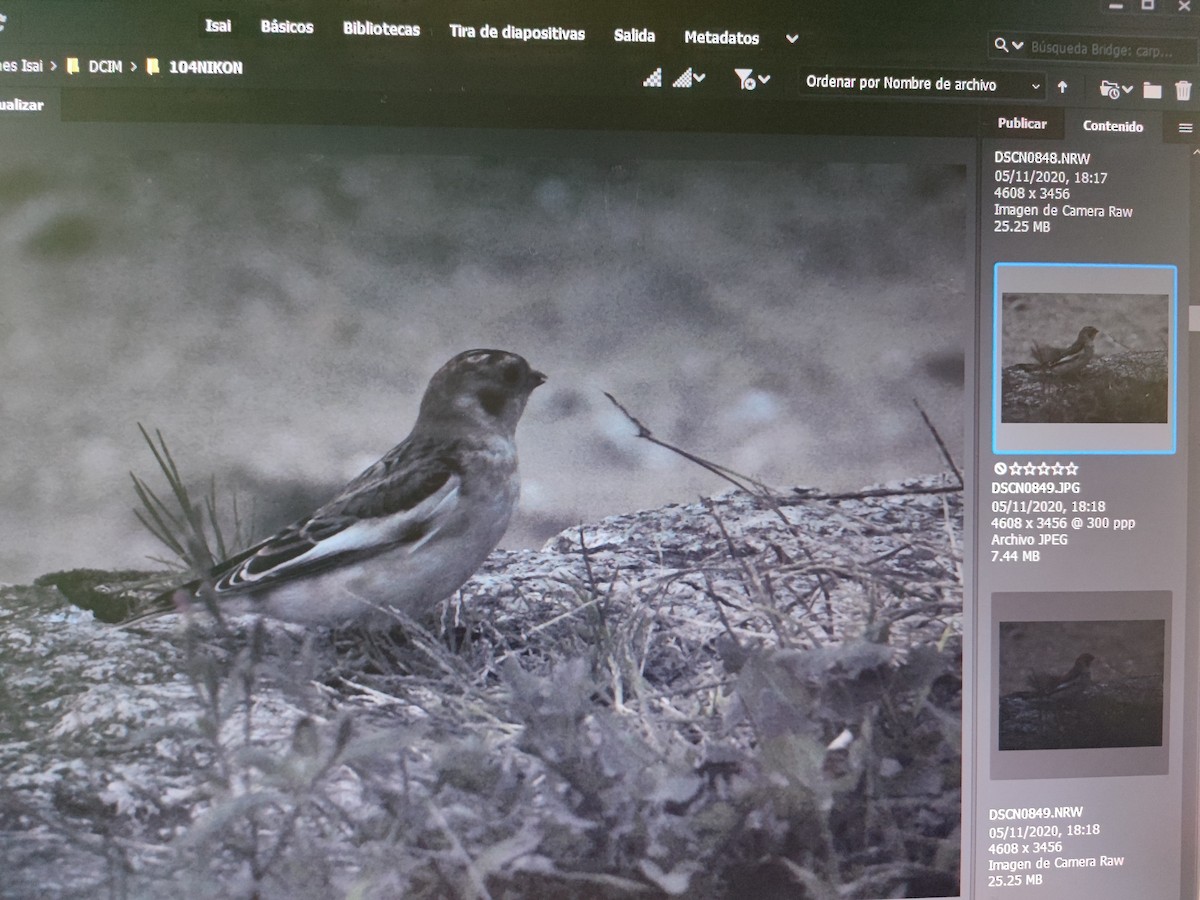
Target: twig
(759, 490)
(716, 468)
(876, 493)
(941, 444)
(475, 877)
(711, 591)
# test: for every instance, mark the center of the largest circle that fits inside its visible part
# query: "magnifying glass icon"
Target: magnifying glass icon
(1001, 44)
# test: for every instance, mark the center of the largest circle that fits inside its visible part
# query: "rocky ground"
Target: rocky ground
(755, 695)
(1119, 389)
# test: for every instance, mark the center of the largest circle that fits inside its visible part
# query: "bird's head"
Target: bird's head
(1088, 333)
(486, 388)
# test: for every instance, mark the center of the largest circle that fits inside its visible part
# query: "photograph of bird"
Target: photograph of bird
(1067, 686)
(1067, 360)
(412, 528)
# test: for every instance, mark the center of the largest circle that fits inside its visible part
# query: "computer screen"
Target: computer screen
(495, 449)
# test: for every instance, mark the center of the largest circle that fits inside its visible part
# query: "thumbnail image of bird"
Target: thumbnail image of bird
(412, 528)
(1067, 360)
(1067, 686)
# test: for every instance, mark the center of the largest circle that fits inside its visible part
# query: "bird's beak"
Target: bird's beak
(536, 377)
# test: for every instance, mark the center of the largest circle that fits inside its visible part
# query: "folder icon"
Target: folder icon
(72, 65)
(1151, 91)
(152, 65)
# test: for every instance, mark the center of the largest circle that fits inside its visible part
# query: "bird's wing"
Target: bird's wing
(1046, 354)
(405, 498)
(1076, 359)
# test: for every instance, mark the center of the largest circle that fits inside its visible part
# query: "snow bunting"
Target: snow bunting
(413, 527)
(1067, 686)
(1067, 360)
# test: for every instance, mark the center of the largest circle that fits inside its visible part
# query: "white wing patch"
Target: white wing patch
(362, 539)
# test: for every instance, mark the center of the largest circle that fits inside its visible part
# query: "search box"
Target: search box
(1025, 45)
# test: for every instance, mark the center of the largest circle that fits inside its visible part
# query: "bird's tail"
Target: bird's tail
(182, 600)
(1045, 354)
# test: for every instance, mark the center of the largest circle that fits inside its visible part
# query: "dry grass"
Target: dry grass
(1125, 388)
(755, 695)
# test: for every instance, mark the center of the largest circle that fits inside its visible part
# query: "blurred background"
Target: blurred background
(278, 317)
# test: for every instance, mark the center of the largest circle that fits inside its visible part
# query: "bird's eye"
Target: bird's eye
(492, 401)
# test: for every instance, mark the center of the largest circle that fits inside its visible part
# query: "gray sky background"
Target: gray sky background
(277, 318)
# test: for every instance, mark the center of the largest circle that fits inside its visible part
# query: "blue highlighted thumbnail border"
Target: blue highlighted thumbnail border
(1088, 288)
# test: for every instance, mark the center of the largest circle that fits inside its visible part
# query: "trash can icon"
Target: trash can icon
(1183, 90)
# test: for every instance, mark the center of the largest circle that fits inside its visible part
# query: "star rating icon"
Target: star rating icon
(1044, 469)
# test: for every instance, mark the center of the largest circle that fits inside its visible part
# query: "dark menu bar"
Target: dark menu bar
(700, 58)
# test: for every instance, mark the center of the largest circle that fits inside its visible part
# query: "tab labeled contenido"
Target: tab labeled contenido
(1111, 126)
